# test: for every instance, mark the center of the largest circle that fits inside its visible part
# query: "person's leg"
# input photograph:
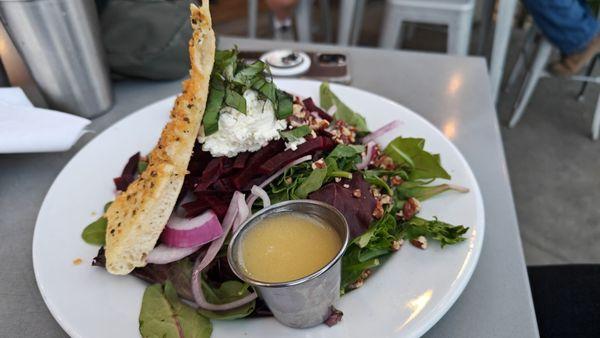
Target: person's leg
(568, 24)
(282, 17)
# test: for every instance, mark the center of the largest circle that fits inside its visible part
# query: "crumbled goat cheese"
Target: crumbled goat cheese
(240, 132)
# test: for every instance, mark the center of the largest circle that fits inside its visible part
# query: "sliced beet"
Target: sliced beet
(308, 148)
(255, 160)
(312, 107)
(358, 211)
(128, 173)
(240, 160)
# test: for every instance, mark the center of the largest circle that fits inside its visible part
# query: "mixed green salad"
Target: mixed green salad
(326, 152)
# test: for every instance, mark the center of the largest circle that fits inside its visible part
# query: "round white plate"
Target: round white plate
(405, 297)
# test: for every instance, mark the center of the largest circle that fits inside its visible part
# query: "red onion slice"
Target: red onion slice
(381, 131)
(182, 232)
(243, 212)
(282, 170)
(260, 192)
(163, 254)
(367, 157)
(332, 110)
(211, 253)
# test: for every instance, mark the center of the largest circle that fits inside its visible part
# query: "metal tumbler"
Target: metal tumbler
(307, 301)
(59, 40)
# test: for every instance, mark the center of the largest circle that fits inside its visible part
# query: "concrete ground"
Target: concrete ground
(553, 164)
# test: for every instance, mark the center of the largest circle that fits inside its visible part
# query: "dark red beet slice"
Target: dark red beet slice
(312, 107)
(128, 174)
(308, 148)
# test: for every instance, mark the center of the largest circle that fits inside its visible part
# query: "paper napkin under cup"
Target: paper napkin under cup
(27, 129)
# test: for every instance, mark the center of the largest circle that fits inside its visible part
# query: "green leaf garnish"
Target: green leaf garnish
(234, 100)
(164, 315)
(421, 164)
(295, 134)
(343, 112)
(229, 291)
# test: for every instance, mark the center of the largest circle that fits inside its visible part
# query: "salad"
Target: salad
(176, 208)
(322, 152)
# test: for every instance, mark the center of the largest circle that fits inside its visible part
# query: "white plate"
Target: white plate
(405, 297)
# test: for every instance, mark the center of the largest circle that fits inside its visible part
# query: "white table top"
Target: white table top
(451, 92)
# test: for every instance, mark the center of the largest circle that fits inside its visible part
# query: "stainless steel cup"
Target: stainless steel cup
(307, 301)
(59, 40)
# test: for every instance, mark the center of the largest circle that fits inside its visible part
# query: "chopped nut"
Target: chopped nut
(334, 317)
(337, 179)
(397, 244)
(346, 185)
(359, 282)
(356, 193)
(288, 180)
(320, 164)
(397, 180)
(77, 261)
(365, 274)
(385, 199)
(420, 242)
(378, 212)
(410, 208)
(400, 215)
(376, 192)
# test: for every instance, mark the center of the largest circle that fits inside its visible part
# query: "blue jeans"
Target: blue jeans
(569, 24)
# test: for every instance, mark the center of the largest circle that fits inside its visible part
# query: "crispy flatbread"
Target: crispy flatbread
(138, 215)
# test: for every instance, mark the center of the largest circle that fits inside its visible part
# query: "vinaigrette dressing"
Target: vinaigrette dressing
(288, 246)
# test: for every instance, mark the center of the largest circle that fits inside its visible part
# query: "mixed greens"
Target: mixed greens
(378, 189)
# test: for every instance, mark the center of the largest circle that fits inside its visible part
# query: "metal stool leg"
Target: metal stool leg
(252, 17)
(325, 17)
(303, 20)
(588, 72)
(596, 121)
(347, 11)
(358, 20)
(541, 59)
(459, 33)
(519, 65)
(392, 25)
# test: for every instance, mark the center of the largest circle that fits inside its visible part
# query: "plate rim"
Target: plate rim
(442, 307)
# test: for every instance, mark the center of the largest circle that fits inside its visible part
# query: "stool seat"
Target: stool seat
(461, 5)
(456, 14)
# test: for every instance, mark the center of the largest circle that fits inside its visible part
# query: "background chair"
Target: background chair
(537, 71)
(456, 14)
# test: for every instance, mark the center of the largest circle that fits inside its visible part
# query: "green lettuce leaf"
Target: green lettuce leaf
(164, 315)
(95, 232)
(296, 133)
(421, 164)
(440, 231)
(229, 291)
(343, 112)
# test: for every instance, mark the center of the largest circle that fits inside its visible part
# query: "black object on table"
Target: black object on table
(566, 299)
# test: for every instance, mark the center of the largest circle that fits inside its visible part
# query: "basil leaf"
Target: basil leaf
(343, 112)
(234, 100)
(268, 90)
(440, 231)
(295, 134)
(248, 74)
(210, 121)
(312, 183)
(227, 292)
(284, 105)
(410, 152)
(164, 315)
(95, 232)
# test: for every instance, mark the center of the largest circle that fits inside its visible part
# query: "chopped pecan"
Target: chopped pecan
(396, 180)
(397, 244)
(420, 242)
(334, 317)
(356, 193)
(320, 164)
(410, 208)
(378, 212)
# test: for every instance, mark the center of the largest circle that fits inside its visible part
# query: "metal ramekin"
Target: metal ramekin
(307, 301)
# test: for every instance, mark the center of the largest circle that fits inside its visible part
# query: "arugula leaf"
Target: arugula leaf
(440, 231)
(352, 267)
(409, 152)
(343, 112)
(295, 134)
(164, 315)
(313, 182)
(234, 100)
(227, 292)
(95, 232)
(377, 181)
(420, 191)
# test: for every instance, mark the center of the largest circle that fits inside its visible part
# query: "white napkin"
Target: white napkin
(26, 129)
